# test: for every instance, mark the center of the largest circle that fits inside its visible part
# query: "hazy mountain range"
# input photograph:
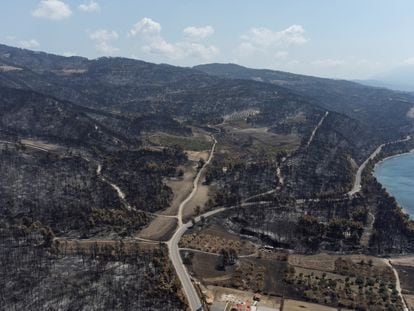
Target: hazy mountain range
(401, 79)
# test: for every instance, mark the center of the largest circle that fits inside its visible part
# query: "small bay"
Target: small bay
(396, 174)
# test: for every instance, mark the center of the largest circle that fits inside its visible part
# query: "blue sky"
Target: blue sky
(354, 39)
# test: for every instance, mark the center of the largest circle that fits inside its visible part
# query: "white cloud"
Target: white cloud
(92, 6)
(52, 9)
(25, 44)
(198, 33)
(265, 42)
(29, 44)
(158, 45)
(409, 61)
(328, 62)
(102, 39)
(149, 32)
(198, 50)
(145, 26)
(105, 48)
(180, 50)
(264, 37)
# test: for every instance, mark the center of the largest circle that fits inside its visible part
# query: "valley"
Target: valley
(182, 188)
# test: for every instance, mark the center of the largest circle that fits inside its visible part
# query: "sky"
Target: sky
(351, 39)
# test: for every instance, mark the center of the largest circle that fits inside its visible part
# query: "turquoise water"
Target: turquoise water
(397, 176)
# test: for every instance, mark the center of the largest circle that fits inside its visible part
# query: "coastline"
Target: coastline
(391, 157)
(411, 152)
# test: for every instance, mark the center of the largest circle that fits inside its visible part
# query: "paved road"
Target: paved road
(195, 184)
(194, 301)
(188, 288)
(357, 182)
(174, 251)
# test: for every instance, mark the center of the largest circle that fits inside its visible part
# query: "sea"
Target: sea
(396, 174)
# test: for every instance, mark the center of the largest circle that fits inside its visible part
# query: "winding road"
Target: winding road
(397, 283)
(357, 182)
(190, 291)
(174, 251)
(193, 299)
(195, 184)
(118, 190)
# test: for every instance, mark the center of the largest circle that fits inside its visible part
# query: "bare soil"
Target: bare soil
(181, 188)
(199, 141)
(160, 229)
(240, 139)
(326, 262)
(322, 262)
(195, 156)
(410, 300)
(297, 305)
(343, 283)
(201, 196)
(403, 261)
(406, 275)
(199, 199)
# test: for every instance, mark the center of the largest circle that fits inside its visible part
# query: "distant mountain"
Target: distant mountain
(119, 84)
(379, 84)
(401, 78)
(376, 107)
(136, 87)
(148, 96)
(203, 93)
